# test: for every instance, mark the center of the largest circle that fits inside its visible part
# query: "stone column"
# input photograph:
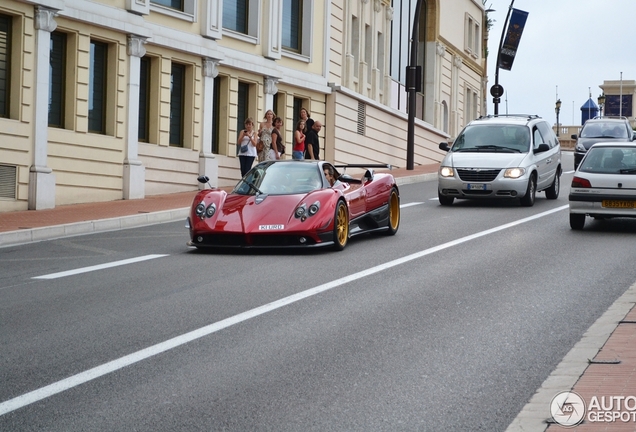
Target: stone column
(208, 163)
(457, 65)
(440, 52)
(270, 91)
(134, 171)
(41, 177)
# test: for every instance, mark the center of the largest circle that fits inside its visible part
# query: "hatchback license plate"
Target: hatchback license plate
(618, 204)
(476, 186)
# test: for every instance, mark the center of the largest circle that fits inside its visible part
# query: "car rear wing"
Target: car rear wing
(368, 174)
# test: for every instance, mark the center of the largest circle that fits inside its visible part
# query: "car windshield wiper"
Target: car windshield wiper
(628, 171)
(496, 147)
(250, 184)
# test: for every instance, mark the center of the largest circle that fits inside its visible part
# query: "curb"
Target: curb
(535, 414)
(15, 238)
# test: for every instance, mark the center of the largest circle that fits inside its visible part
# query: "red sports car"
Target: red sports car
(292, 204)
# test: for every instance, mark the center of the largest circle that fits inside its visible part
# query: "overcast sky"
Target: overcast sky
(574, 45)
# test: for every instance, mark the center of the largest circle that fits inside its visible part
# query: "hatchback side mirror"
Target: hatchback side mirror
(573, 136)
(444, 146)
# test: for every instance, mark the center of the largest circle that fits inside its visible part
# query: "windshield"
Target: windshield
(493, 138)
(281, 178)
(617, 160)
(604, 130)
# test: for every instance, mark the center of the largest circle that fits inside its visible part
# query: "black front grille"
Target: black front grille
(255, 240)
(474, 175)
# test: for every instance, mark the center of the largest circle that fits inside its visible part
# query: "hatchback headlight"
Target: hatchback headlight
(446, 171)
(514, 172)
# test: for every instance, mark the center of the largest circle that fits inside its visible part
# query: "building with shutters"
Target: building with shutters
(122, 99)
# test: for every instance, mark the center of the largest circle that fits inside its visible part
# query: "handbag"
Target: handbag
(244, 148)
(260, 146)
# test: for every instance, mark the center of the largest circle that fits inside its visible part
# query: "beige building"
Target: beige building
(121, 99)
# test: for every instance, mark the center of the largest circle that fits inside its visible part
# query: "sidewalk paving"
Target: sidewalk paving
(610, 340)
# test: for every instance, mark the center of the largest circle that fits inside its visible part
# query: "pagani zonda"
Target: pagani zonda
(287, 204)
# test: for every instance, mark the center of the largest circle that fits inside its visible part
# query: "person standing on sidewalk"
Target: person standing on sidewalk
(277, 140)
(312, 145)
(265, 134)
(298, 151)
(306, 118)
(247, 146)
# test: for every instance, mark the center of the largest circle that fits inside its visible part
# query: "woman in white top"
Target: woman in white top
(247, 146)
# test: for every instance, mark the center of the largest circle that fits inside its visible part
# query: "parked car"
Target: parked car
(505, 156)
(604, 185)
(601, 129)
(291, 204)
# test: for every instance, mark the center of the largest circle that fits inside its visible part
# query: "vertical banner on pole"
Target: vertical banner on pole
(513, 36)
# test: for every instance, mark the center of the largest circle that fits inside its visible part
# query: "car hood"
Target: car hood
(588, 142)
(258, 213)
(484, 160)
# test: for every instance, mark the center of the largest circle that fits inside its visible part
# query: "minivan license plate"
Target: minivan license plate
(476, 186)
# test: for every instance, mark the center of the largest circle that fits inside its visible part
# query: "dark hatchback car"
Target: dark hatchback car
(601, 129)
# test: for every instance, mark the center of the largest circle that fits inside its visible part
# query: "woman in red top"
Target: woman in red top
(298, 152)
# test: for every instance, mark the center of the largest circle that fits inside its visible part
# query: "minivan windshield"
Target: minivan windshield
(493, 138)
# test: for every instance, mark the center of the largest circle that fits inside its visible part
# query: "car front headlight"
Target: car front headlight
(313, 209)
(514, 172)
(446, 171)
(200, 209)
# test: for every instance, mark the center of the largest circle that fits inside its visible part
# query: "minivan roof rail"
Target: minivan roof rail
(526, 116)
(611, 117)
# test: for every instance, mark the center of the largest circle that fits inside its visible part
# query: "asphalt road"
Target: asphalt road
(450, 325)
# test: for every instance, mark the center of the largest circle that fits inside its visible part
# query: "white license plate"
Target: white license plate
(476, 186)
(271, 227)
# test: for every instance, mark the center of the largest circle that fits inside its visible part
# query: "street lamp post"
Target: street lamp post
(601, 104)
(497, 90)
(557, 110)
(412, 85)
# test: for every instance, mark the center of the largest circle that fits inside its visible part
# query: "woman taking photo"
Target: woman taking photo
(247, 146)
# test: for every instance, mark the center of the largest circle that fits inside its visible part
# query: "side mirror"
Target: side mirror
(203, 179)
(542, 148)
(574, 136)
(444, 146)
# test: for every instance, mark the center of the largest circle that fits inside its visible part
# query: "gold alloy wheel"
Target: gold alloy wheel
(394, 212)
(341, 229)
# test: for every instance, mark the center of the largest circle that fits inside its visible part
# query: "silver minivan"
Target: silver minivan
(504, 156)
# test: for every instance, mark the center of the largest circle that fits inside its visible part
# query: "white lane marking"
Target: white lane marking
(99, 267)
(410, 204)
(106, 368)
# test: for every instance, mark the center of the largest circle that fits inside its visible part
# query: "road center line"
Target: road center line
(112, 366)
(410, 204)
(99, 267)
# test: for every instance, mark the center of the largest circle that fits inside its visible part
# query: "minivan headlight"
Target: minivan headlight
(514, 172)
(446, 171)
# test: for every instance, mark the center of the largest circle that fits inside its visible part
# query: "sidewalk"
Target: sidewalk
(610, 343)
